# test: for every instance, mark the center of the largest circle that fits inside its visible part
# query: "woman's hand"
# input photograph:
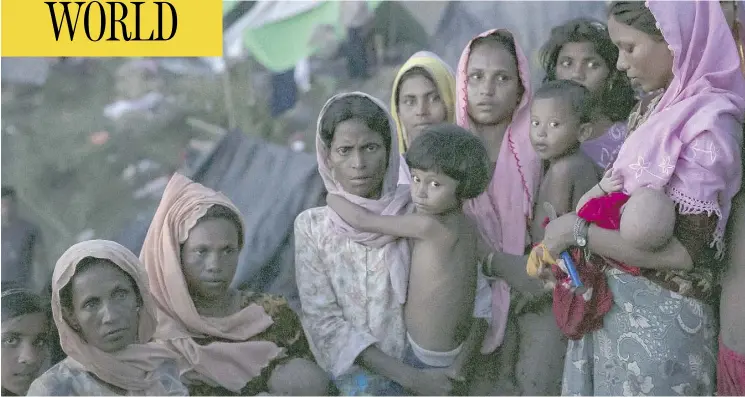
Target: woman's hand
(559, 234)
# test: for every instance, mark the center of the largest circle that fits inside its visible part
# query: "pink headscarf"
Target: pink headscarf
(240, 357)
(690, 144)
(134, 367)
(394, 200)
(515, 181)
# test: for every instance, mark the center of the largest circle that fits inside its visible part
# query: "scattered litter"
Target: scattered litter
(99, 138)
(145, 103)
(297, 142)
(188, 66)
(129, 173)
(153, 188)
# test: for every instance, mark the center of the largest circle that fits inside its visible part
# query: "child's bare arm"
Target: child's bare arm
(611, 182)
(470, 345)
(408, 226)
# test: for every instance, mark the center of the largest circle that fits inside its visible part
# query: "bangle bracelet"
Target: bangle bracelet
(601, 189)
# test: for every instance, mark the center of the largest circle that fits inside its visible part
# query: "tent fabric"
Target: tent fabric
(530, 21)
(277, 32)
(271, 185)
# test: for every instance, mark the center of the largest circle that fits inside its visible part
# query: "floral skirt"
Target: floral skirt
(653, 342)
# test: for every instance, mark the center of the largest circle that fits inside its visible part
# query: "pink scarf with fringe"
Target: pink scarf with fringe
(395, 200)
(690, 143)
(513, 186)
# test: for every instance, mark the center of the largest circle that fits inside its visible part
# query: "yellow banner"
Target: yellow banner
(36, 28)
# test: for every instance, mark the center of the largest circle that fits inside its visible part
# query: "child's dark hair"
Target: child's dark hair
(356, 107)
(415, 71)
(18, 302)
(576, 94)
(617, 100)
(456, 153)
(8, 192)
(218, 211)
(637, 15)
(508, 42)
(65, 294)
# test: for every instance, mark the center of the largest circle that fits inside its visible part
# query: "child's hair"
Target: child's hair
(456, 153)
(507, 41)
(18, 302)
(415, 71)
(356, 107)
(576, 94)
(617, 99)
(8, 192)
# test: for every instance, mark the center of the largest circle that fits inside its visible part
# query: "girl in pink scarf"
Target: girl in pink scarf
(687, 142)
(493, 101)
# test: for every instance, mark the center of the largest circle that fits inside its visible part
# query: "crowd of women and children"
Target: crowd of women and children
(582, 238)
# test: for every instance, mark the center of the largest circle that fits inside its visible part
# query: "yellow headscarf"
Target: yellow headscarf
(444, 79)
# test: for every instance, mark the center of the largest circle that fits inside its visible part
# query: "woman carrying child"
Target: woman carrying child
(26, 329)
(353, 284)
(493, 101)
(581, 50)
(660, 334)
(423, 94)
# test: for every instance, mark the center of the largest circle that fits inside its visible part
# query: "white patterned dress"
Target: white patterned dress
(347, 299)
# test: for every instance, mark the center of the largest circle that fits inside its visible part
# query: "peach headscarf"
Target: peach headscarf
(503, 210)
(230, 364)
(132, 368)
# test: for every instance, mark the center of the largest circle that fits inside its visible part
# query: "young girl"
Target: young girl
(25, 337)
(448, 166)
(581, 50)
(423, 95)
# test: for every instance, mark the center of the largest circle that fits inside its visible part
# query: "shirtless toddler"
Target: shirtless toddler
(559, 122)
(448, 165)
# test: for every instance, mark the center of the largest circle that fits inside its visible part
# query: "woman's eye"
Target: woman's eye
(371, 148)
(565, 64)
(11, 341)
(342, 150)
(415, 179)
(554, 124)
(534, 123)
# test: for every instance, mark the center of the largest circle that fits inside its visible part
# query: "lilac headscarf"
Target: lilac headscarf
(690, 144)
(395, 200)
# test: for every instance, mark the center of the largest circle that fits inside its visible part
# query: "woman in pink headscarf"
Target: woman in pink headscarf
(493, 101)
(660, 335)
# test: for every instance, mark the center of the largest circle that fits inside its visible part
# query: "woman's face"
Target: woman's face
(419, 105)
(581, 63)
(358, 159)
(648, 63)
(105, 306)
(25, 348)
(209, 258)
(494, 89)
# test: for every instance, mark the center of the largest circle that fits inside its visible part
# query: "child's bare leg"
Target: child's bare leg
(298, 377)
(542, 349)
(494, 374)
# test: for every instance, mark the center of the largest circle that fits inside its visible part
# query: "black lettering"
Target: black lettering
(102, 30)
(137, 22)
(114, 21)
(160, 20)
(65, 16)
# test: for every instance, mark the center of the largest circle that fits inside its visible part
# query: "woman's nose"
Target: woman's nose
(28, 354)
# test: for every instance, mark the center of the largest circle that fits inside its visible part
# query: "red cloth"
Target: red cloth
(574, 315)
(730, 372)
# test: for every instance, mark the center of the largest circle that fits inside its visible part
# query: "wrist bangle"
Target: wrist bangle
(601, 189)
